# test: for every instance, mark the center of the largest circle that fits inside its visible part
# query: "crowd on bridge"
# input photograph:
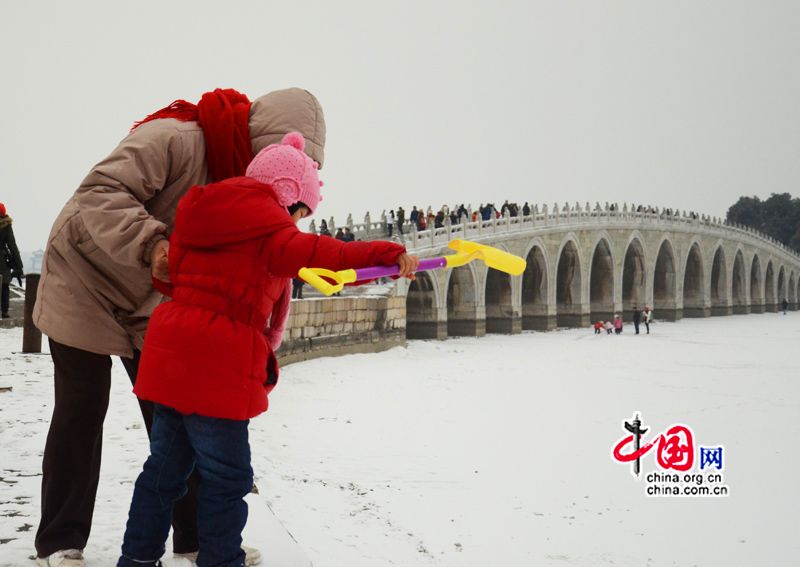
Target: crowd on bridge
(398, 221)
(424, 219)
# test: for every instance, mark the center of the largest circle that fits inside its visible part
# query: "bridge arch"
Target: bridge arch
(720, 301)
(601, 280)
(633, 276)
(464, 318)
(694, 296)
(422, 321)
(664, 282)
(569, 283)
(499, 302)
(781, 286)
(756, 286)
(702, 266)
(739, 285)
(769, 288)
(535, 297)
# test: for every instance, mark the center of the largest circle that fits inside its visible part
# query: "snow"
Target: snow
(476, 452)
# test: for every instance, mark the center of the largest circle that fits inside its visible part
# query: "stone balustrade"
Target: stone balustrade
(566, 215)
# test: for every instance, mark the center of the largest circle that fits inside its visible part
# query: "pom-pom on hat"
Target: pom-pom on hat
(290, 172)
(2, 210)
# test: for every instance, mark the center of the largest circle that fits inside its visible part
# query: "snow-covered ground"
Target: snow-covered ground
(482, 452)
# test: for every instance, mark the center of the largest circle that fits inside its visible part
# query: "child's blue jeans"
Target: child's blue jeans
(220, 450)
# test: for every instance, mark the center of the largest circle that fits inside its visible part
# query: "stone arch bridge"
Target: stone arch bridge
(585, 265)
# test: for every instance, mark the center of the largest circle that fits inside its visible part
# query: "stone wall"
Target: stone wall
(325, 326)
(343, 325)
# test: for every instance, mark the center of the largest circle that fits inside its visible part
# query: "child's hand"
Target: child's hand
(159, 261)
(408, 265)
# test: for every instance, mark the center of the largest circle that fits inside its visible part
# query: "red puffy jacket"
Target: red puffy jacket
(230, 254)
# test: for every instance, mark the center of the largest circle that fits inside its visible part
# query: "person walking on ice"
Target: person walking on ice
(10, 261)
(207, 364)
(637, 318)
(647, 317)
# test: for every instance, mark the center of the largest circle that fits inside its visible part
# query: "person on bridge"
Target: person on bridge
(323, 228)
(784, 305)
(390, 223)
(401, 219)
(297, 288)
(207, 364)
(96, 295)
(10, 261)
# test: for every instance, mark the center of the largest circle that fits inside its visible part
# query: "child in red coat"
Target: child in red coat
(208, 360)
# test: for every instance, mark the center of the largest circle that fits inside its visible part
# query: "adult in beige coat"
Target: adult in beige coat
(95, 298)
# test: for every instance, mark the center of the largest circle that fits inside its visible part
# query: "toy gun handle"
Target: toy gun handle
(375, 272)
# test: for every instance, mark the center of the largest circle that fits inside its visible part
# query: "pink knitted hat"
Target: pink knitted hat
(292, 174)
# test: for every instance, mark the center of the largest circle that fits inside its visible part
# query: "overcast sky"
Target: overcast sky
(684, 104)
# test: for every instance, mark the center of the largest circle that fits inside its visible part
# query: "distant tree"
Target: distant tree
(778, 216)
(794, 243)
(746, 211)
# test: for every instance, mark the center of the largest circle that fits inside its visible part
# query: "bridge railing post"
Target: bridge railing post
(31, 336)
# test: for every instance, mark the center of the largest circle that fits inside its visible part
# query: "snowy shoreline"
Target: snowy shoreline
(474, 452)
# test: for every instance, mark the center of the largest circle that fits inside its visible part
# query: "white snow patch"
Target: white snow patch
(478, 452)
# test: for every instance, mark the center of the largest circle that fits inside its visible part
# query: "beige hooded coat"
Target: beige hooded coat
(95, 291)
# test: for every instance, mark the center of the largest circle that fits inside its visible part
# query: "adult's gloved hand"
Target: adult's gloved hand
(18, 275)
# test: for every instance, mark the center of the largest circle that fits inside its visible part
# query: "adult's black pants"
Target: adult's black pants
(5, 295)
(71, 463)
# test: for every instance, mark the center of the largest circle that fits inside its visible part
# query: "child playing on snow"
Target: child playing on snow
(598, 327)
(208, 363)
(609, 327)
(617, 324)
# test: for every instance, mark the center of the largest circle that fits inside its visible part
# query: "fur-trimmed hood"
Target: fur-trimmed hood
(5, 221)
(95, 291)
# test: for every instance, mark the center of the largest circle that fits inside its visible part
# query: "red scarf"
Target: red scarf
(223, 115)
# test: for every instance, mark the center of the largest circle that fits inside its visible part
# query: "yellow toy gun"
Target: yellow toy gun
(466, 252)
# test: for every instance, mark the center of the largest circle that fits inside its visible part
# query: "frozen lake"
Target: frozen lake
(478, 452)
